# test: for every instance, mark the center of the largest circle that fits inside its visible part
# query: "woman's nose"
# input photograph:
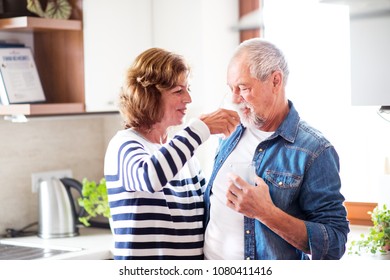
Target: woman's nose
(187, 97)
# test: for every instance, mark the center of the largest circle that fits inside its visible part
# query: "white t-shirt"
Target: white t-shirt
(224, 237)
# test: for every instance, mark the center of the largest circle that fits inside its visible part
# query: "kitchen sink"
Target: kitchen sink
(17, 252)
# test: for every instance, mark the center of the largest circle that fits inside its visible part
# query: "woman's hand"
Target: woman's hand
(222, 121)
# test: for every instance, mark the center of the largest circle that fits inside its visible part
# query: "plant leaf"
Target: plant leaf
(94, 200)
(378, 237)
(35, 7)
(59, 9)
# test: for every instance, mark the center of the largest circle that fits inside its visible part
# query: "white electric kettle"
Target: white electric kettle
(57, 210)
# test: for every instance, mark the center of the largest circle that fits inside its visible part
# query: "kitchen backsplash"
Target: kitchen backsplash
(44, 144)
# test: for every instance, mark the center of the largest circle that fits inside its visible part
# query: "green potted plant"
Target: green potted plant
(94, 200)
(378, 238)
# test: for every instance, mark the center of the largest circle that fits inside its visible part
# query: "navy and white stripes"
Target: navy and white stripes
(155, 195)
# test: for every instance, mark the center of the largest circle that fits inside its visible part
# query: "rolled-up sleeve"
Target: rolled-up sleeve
(326, 243)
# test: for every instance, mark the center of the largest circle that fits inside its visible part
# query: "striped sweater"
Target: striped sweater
(155, 195)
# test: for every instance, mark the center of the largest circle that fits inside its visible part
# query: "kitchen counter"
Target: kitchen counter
(96, 244)
(356, 231)
(91, 244)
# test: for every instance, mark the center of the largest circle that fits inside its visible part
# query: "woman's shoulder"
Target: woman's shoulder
(123, 138)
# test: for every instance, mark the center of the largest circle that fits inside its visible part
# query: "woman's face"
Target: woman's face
(175, 102)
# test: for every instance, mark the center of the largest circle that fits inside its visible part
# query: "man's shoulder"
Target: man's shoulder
(309, 134)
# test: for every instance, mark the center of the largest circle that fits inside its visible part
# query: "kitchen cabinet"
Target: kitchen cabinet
(190, 28)
(110, 45)
(59, 56)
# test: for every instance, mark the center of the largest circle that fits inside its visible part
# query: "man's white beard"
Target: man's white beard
(249, 120)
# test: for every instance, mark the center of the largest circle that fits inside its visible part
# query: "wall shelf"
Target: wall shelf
(39, 24)
(42, 109)
(358, 212)
(59, 56)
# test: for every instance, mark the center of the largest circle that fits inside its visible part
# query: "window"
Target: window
(316, 41)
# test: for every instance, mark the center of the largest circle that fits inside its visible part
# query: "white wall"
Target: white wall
(114, 33)
(46, 144)
(370, 60)
(316, 41)
(200, 30)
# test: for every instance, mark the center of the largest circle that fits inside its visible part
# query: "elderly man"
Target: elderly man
(295, 208)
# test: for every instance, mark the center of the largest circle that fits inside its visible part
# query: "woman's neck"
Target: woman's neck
(154, 135)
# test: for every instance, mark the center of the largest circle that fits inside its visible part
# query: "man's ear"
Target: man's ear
(277, 79)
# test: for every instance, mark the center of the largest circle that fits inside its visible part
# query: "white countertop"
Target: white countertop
(91, 244)
(96, 243)
(354, 234)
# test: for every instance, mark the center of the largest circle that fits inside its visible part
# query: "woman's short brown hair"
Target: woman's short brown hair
(153, 70)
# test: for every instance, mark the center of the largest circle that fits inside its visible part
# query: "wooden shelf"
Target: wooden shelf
(39, 24)
(42, 109)
(58, 53)
(59, 56)
(357, 212)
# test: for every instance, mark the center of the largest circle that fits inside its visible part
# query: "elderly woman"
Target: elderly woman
(154, 182)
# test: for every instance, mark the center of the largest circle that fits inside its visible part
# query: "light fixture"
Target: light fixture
(384, 113)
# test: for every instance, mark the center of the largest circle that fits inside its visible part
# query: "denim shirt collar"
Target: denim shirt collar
(288, 129)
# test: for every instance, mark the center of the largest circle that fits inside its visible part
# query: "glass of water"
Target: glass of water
(246, 170)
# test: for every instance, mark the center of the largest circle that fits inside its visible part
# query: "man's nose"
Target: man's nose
(236, 97)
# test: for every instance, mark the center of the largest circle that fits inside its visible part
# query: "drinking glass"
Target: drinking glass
(246, 170)
(226, 103)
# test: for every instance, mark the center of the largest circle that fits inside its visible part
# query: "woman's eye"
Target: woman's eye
(178, 92)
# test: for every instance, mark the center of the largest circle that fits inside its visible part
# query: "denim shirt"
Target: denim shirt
(301, 169)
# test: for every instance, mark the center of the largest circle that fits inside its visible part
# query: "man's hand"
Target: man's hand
(251, 201)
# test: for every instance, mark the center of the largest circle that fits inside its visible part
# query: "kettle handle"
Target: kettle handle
(72, 183)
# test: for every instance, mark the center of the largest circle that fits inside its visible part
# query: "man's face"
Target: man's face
(250, 96)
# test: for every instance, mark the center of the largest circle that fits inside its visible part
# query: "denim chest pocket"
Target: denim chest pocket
(283, 187)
